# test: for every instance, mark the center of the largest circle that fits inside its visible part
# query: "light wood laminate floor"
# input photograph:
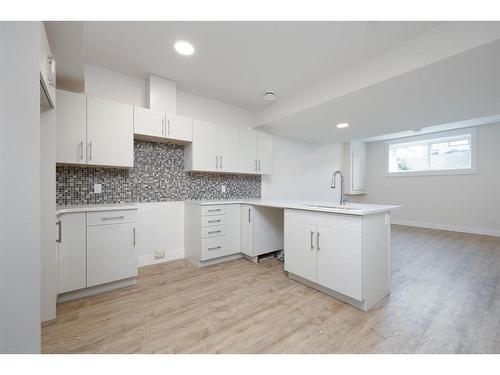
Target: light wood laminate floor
(445, 298)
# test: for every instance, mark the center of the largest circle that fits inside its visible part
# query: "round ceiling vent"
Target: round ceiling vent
(269, 95)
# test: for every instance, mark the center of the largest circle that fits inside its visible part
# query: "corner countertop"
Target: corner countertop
(94, 207)
(348, 209)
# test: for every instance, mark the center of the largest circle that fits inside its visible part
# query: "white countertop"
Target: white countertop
(348, 209)
(94, 207)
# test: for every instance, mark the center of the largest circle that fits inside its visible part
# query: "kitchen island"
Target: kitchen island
(341, 250)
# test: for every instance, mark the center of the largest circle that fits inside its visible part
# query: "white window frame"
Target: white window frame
(473, 145)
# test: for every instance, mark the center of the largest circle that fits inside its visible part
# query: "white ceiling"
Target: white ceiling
(234, 62)
(462, 87)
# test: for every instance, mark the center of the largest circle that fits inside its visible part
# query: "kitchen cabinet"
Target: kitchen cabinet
(71, 249)
(155, 125)
(71, 128)
(214, 148)
(256, 152)
(110, 133)
(261, 230)
(343, 255)
(212, 233)
(148, 123)
(354, 167)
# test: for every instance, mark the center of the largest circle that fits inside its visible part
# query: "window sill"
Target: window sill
(443, 172)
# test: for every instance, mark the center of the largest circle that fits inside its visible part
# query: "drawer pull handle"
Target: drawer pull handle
(214, 231)
(214, 210)
(113, 217)
(59, 232)
(214, 221)
(214, 248)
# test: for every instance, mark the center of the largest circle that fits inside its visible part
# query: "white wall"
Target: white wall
(469, 203)
(124, 88)
(20, 188)
(302, 171)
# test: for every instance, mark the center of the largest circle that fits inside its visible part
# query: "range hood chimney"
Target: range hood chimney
(161, 94)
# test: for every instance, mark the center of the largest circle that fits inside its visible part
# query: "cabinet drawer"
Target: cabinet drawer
(213, 220)
(213, 210)
(207, 232)
(111, 217)
(212, 248)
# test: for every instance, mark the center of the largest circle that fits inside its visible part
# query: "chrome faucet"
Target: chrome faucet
(342, 201)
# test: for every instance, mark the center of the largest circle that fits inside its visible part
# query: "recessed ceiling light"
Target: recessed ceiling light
(269, 95)
(342, 125)
(184, 48)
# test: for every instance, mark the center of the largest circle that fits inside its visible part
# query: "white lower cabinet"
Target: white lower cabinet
(111, 253)
(96, 248)
(71, 249)
(344, 254)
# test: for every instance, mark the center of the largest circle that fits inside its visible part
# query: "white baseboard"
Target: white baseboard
(146, 260)
(451, 228)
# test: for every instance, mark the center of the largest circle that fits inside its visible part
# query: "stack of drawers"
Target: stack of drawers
(213, 231)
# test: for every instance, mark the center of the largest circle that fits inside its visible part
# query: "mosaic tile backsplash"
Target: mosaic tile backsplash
(158, 176)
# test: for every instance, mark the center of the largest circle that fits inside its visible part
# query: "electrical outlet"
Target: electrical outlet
(97, 188)
(158, 254)
(223, 188)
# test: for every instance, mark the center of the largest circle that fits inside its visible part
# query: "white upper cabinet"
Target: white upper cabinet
(47, 64)
(71, 127)
(214, 148)
(354, 167)
(248, 151)
(264, 153)
(227, 142)
(256, 152)
(179, 128)
(202, 155)
(110, 133)
(149, 123)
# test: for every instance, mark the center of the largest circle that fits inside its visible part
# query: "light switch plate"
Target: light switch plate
(97, 188)
(223, 188)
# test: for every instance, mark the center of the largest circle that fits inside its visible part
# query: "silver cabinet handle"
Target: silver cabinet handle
(259, 165)
(256, 164)
(214, 221)
(90, 150)
(214, 231)
(216, 162)
(168, 127)
(214, 248)
(214, 210)
(81, 150)
(59, 231)
(312, 235)
(134, 236)
(249, 210)
(317, 240)
(113, 217)
(220, 164)
(162, 126)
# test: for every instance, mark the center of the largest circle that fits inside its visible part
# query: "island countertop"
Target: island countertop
(331, 207)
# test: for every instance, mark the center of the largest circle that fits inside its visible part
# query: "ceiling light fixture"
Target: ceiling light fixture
(184, 48)
(269, 95)
(342, 125)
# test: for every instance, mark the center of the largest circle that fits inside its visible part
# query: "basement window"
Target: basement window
(451, 152)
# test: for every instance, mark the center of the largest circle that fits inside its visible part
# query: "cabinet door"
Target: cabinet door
(111, 253)
(300, 250)
(179, 128)
(264, 153)
(247, 230)
(110, 133)
(71, 133)
(204, 147)
(358, 166)
(72, 252)
(232, 239)
(248, 151)
(339, 260)
(228, 139)
(149, 122)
